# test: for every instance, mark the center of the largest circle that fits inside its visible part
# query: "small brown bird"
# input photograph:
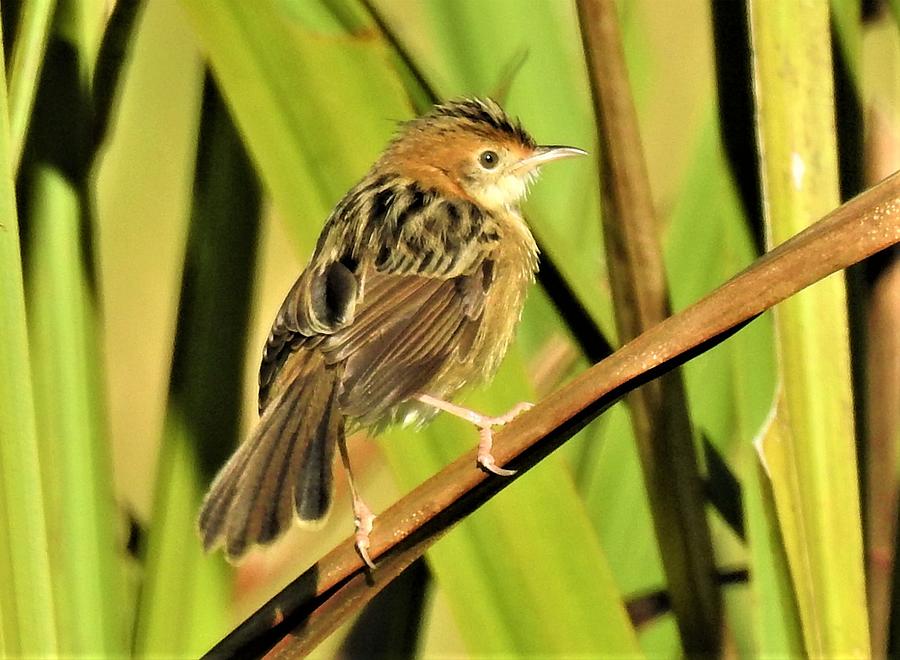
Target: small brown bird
(414, 290)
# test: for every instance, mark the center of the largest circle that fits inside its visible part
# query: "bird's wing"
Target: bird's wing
(393, 296)
(406, 330)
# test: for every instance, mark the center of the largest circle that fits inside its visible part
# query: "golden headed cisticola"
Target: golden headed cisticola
(414, 290)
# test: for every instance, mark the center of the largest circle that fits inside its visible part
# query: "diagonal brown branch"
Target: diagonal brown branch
(317, 602)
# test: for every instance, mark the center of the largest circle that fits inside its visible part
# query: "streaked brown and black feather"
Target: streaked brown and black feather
(479, 115)
(285, 468)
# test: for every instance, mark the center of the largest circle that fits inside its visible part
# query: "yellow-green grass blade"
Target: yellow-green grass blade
(616, 501)
(67, 366)
(810, 453)
(205, 392)
(74, 455)
(143, 188)
(182, 608)
(846, 19)
(25, 68)
(777, 626)
(27, 617)
(895, 10)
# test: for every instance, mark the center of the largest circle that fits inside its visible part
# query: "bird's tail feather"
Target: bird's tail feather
(284, 468)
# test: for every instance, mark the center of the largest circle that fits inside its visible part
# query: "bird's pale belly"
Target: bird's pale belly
(515, 265)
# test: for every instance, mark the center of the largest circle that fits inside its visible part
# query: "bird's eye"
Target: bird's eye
(489, 159)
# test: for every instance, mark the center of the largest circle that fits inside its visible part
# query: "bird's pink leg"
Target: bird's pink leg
(362, 514)
(485, 426)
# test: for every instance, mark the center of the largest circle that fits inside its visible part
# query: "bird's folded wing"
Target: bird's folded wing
(407, 331)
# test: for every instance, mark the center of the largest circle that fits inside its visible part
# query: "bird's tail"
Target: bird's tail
(284, 468)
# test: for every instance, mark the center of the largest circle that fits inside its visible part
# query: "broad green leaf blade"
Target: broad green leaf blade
(181, 584)
(27, 618)
(614, 495)
(205, 391)
(67, 365)
(810, 456)
(68, 395)
(25, 70)
(143, 193)
(847, 21)
(143, 201)
(895, 10)
(779, 632)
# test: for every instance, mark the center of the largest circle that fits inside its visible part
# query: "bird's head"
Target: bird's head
(472, 148)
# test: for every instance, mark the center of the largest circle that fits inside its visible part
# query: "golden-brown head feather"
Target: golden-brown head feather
(467, 148)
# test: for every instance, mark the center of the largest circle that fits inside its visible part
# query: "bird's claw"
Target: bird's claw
(486, 458)
(486, 432)
(486, 462)
(364, 519)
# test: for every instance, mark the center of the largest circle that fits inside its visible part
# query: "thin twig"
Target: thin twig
(648, 607)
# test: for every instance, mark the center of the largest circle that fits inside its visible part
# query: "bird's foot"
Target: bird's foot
(363, 519)
(486, 437)
(485, 426)
(510, 415)
(485, 457)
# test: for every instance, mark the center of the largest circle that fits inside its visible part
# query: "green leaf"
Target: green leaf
(181, 585)
(778, 628)
(27, 618)
(205, 391)
(25, 71)
(74, 455)
(67, 366)
(809, 453)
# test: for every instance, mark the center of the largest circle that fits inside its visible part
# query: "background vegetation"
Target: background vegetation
(163, 211)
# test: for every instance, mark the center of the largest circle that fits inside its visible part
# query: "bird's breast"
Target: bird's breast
(515, 259)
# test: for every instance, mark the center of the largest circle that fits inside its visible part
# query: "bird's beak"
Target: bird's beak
(543, 155)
